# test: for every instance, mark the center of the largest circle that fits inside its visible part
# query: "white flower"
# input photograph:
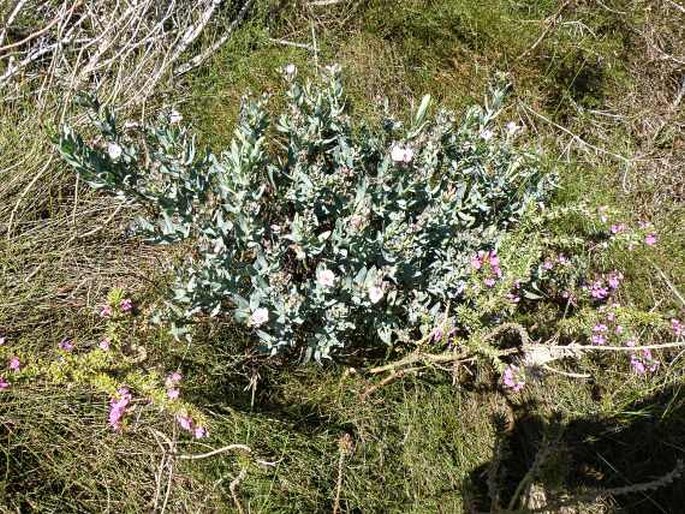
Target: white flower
(512, 128)
(290, 69)
(401, 154)
(114, 151)
(175, 117)
(325, 277)
(487, 134)
(375, 294)
(259, 316)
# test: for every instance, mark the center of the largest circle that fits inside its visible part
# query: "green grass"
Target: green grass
(421, 444)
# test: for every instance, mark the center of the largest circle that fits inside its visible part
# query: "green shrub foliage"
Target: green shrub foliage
(317, 232)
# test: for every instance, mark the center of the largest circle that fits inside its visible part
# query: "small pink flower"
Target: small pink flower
(514, 378)
(104, 344)
(106, 311)
(4, 384)
(66, 344)
(126, 305)
(185, 422)
(615, 279)
(2, 340)
(598, 339)
(15, 364)
(476, 262)
(401, 154)
(650, 239)
(200, 432)
(618, 228)
(637, 365)
(547, 265)
(325, 278)
(618, 330)
(600, 327)
(489, 282)
(259, 316)
(677, 327)
(173, 379)
(118, 405)
(173, 394)
(562, 259)
(598, 290)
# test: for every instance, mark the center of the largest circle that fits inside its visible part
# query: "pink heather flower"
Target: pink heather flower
(513, 378)
(637, 365)
(106, 312)
(325, 278)
(677, 327)
(126, 305)
(513, 298)
(617, 229)
(104, 344)
(66, 344)
(437, 334)
(630, 342)
(600, 327)
(117, 407)
(547, 265)
(173, 379)
(476, 262)
(490, 282)
(259, 316)
(643, 224)
(598, 339)
(2, 340)
(173, 394)
(4, 384)
(185, 422)
(562, 259)
(618, 330)
(200, 432)
(615, 279)
(650, 239)
(598, 290)
(15, 364)
(611, 316)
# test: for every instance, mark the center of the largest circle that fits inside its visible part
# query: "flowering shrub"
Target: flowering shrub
(315, 232)
(111, 366)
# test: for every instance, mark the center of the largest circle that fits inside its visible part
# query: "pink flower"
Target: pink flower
(677, 327)
(117, 408)
(598, 339)
(514, 378)
(173, 379)
(200, 432)
(650, 239)
(106, 311)
(104, 344)
(547, 265)
(615, 279)
(490, 282)
(598, 290)
(185, 422)
(15, 364)
(4, 384)
(617, 229)
(66, 344)
(562, 259)
(618, 330)
(637, 365)
(2, 340)
(126, 305)
(600, 327)
(173, 394)
(476, 262)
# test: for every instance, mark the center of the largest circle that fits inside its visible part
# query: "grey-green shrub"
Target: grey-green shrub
(316, 232)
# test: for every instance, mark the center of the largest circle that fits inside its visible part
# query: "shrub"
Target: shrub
(315, 232)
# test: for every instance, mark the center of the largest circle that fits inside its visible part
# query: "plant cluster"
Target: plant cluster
(315, 232)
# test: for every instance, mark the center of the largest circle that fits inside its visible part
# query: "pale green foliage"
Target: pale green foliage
(306, 228)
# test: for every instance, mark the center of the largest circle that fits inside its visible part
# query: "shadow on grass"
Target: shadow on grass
(631, 456)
